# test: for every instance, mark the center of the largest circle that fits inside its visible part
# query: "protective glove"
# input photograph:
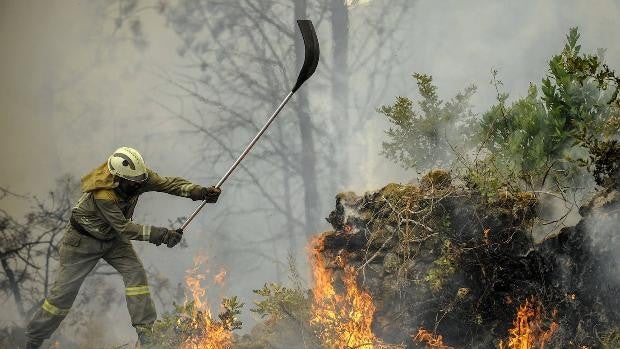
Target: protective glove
(165, 236)
(209, 194)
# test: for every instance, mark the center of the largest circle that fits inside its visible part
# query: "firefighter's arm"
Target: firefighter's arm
(180, 187)
(114, 216)
(105, 200)
(170, 185)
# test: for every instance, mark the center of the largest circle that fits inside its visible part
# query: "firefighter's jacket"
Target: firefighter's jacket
(103, 211)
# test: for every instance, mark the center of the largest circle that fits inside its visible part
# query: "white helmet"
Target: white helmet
(127, 163)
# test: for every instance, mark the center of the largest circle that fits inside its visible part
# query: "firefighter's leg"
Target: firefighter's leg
(139, 303)
(78, 256)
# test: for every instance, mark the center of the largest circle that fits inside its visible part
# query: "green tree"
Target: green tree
(552, 136)
(564, 130)
(424, 138)
(520, 137)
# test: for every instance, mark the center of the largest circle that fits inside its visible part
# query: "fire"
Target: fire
(219, 278)
(344, 319)
(527, 332)
(432, 341)
(213, 334)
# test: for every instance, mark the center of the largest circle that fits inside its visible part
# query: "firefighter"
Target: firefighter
(101, 227)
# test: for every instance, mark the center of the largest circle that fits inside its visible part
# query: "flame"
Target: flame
(343, 320)
(213, 335)
(219, 278)
(433, 341)
(527, 332)
(485, 235)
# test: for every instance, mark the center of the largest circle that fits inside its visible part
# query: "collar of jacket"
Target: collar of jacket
(99, 178)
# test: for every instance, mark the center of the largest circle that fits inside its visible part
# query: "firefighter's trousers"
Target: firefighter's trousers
(78, 256)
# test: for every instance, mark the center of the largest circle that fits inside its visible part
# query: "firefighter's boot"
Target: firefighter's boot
(146, 340)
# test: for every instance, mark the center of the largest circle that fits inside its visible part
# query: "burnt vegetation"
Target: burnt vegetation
(447, 259)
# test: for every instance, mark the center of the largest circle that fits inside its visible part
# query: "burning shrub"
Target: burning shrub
(192, 326)
(433, 341)
(456, 260)
(453, 259)
(528, 331)
(340, 319)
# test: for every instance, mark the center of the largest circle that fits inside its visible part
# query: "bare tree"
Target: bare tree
(242, 57)
(29, 248)
(246, 68)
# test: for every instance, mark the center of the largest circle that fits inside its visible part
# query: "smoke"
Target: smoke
(601, 227)
(460, 43)
(75, 87)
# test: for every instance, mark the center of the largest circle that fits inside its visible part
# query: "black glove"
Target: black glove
(165, 236)
(209, 194)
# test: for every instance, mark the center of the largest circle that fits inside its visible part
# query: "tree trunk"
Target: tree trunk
(340, 82)
(308, 154)
(14, 287)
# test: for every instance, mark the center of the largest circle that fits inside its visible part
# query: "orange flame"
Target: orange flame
(433, 341)
(343, 320)
(213, 334)
(219, 278)
(527, 332)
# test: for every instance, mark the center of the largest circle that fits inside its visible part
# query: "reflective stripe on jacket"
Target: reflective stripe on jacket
(104, 213)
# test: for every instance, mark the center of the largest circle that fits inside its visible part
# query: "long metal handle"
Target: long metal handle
(245, 152)
(311, 61)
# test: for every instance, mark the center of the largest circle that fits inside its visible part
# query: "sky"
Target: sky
(72, 90)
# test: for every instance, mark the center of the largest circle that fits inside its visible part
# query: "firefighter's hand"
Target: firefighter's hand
(209, 194)
(173, 237)
(165, 236)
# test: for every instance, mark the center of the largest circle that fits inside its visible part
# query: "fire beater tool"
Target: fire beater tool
(311, 60)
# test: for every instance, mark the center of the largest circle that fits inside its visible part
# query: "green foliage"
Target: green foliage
(443, 267)
(487, 178)
(581, 93)
(421, 138)
(604, 163)
(549, 137)
(280, 302)
(554, 134)
(517, 134)
(228, 318)
(287, 311)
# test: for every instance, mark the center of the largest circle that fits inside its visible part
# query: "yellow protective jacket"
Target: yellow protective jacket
(105, 214)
